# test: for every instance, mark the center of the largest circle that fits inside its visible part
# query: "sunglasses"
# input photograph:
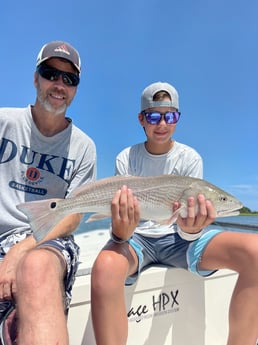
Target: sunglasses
(154, 117)
(52, 74)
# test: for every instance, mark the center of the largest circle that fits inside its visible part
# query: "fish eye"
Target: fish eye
(53, 204)
(223, 198)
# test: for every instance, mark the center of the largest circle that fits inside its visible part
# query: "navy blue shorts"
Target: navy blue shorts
(170, 250)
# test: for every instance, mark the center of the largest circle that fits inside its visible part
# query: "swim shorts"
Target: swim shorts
(170, 250)
(69, 250)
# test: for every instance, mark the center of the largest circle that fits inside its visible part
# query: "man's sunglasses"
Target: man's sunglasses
(52, 74)
(154, 117)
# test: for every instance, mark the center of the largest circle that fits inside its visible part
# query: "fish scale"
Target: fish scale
(155, 194)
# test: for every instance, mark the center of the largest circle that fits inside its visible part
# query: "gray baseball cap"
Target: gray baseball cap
(148, 93)
(59, 49)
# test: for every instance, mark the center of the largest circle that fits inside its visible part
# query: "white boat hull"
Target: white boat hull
(167, 306)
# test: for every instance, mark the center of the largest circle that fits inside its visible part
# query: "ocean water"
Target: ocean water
(250, 220)
(99, 224)
(105, 223)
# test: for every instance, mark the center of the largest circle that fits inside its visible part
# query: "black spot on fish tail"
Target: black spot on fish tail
(53, 204)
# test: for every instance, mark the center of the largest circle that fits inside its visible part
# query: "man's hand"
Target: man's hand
(125, 213)
(9, 266)
(194, 223)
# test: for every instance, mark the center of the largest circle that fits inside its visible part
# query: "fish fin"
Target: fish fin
(41, 218)
(174, 216)
(181, 211)
(95, 217)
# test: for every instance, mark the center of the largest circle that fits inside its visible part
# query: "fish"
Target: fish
(155, 194)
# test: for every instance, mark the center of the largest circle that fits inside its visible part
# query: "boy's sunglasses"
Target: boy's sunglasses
(52, 74)
(154, 117)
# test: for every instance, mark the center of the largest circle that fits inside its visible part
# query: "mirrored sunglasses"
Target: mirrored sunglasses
(154, 117)
(52, 74)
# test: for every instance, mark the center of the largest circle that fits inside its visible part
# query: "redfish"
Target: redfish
(155, 194)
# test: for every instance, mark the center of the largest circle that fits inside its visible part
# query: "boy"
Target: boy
(185, 244)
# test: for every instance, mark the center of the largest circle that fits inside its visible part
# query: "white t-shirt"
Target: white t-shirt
(180, 160)
(35, 167)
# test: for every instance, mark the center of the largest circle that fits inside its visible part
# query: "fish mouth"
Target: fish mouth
(233, 212)
(228, 213)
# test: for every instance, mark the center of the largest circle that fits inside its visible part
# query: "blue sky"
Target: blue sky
(207, 49)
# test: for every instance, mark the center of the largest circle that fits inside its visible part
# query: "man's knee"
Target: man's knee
(37, 267)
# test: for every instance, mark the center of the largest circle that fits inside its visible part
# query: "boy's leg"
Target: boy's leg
(237, 251)
(111, 268)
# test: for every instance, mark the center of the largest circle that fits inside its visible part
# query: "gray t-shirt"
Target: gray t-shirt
(180, 160)
(35, 167)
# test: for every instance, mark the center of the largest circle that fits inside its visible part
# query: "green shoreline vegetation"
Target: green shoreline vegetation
(245, 211)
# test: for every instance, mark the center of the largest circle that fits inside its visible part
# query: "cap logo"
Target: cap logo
(62, 49)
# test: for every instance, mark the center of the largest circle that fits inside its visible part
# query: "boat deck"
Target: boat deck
(165, 306)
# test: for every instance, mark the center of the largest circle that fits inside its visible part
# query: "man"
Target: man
(42, 155)
(185, 244)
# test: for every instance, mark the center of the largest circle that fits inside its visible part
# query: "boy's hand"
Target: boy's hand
(125, 213)
(194, 223)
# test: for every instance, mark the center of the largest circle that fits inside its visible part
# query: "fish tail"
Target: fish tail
(41, 218)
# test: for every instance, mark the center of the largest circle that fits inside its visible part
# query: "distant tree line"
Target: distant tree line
(247, 210)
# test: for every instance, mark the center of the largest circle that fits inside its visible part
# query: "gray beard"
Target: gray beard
(48, 107)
